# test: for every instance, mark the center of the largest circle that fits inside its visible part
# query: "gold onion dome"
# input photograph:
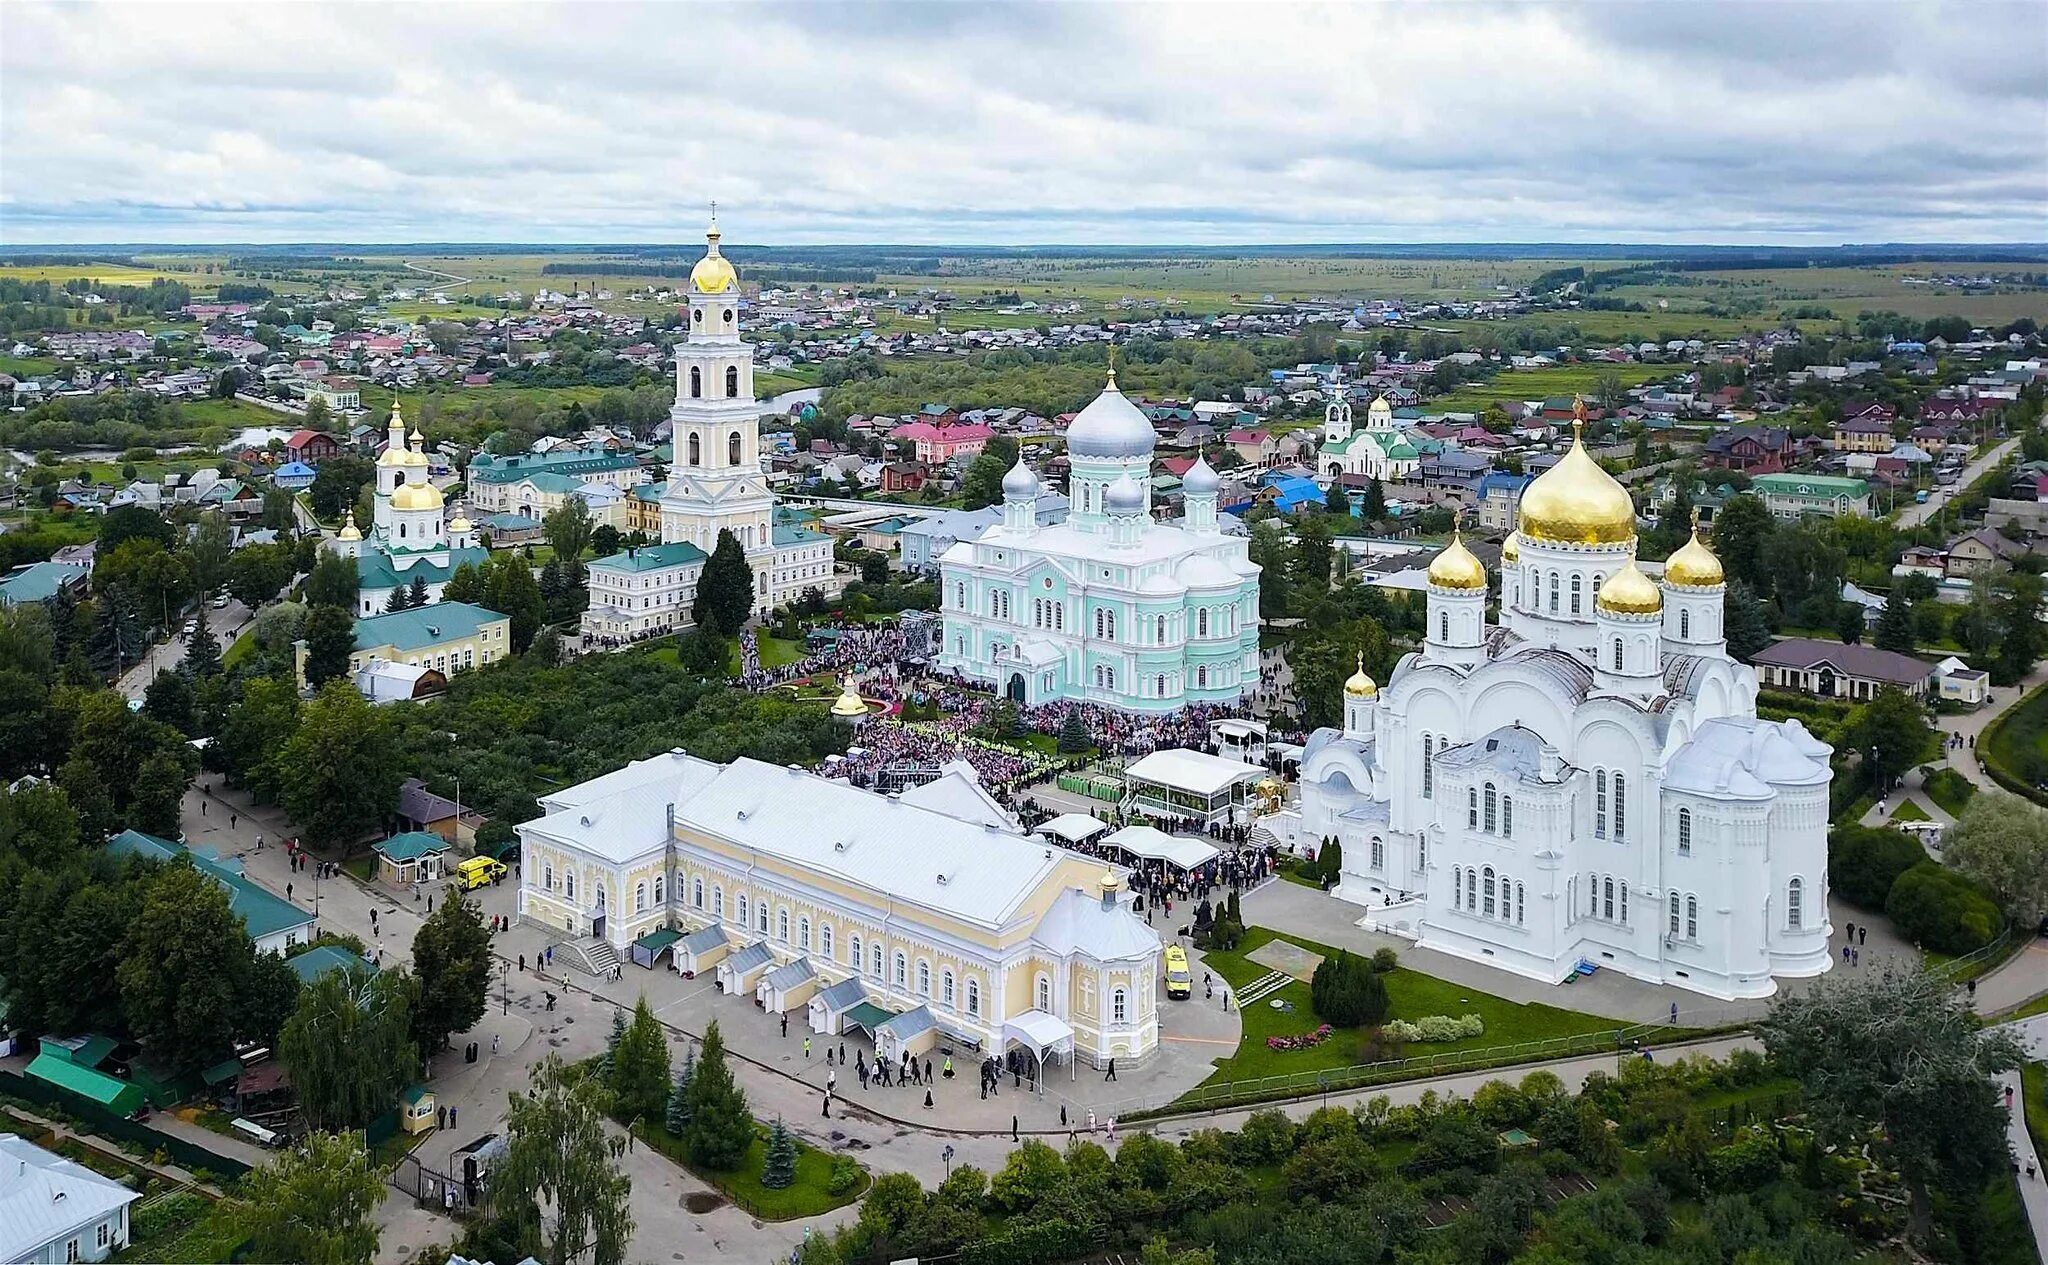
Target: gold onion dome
(1360, 685)
(1456, 568)
(713, 273)
(1694, 565)
(460, 524)
(416, 496)
(1511, 550)
(349, 530)
(849, 701)
(1630, 592)
(1575, 502)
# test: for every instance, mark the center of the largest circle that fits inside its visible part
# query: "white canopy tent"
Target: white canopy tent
(1156, 845)
(1073, 827)
(1192, 785)
(1047, 1036)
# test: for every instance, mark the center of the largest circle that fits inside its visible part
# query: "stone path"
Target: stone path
(2033, 1034)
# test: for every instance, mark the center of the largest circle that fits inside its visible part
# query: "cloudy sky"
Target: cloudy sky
(1024, 123)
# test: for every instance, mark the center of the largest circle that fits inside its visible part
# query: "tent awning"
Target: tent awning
(1073, 827)
(656, 941)
(1041, 1032)
(868, 1016)
(1156, 845)
(1196, 772)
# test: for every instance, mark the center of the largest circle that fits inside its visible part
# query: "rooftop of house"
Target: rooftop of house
(424, 626)
(261, 912)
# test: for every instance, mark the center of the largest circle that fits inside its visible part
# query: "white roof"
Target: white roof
(898, 849)
(1195, 771)
(45, 1198)
(1156, 845)
(1042, 1032)
(958, 792)
(1732, 757)
(1073, 827)
(635, 776)
(1156, 542)
(1239, 727)
(1078, 923)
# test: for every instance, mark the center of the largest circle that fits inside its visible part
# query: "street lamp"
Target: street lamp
(505, 982)
(947, 1156)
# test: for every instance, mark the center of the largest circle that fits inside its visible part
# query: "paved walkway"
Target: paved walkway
(2033, 1034)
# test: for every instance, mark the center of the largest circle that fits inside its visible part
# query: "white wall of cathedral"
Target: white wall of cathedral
(1551, 599)
(1692, 621)
(1457, 621)
(1089, 480)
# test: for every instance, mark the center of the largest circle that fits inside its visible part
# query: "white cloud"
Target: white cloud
(1023, 123)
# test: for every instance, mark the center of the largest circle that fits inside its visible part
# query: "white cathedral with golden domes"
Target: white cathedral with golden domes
(408, 539)
(1585, 781)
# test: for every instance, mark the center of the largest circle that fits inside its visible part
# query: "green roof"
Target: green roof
(38, 582)
(1809, 485)
(414, 1093)
(795, 535)
(116, 1095)
(868, 1015)
(374, 570)
(656, 941)
(424, 626)
(647, 491)
(489, 469)
(87, 1050)
(411, 846)
(651, 558)
(263, 913)
(222, 1072)
(325, 960)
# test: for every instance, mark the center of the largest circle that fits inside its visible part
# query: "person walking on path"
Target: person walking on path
(927, 1100)
(1112, 1072)
(807, 1047)
(1014, 1136)
(785, 1026)
(828, 1104)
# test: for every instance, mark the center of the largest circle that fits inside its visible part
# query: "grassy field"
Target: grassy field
(1910, 811)
(1849, 291)
(1536, 384)
(27, 366)
(104, 273)
(1410, 994)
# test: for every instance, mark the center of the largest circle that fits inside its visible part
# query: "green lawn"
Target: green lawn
(184, 1227)
(808, 1196)
(1411, 995)
(1536, 384)
(1910, 811)
(234, 413)
(1951, 790)
(243, 647)
(27, 366)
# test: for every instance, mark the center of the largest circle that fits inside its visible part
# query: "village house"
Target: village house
(1797, 495)
(1863, 434)
(1750, 449)
(1979, 551)
(1829, 669)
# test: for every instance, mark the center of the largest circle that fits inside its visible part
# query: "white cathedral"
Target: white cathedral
(1586, 781)
(1108, 607)
(408, 539)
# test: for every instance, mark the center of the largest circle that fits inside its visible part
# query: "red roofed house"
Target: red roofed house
(1256, 447)
(904, 476)
(940, 444)
(311, 446)
(1941, 410)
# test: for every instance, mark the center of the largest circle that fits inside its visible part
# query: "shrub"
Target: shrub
(1864, 862)
(1750, 1162)
(1937, 908)
(1385, 960)
(844, 1177)
(1435, 1028)
(1346, 992)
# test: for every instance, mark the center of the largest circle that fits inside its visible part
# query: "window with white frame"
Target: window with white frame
(1795, 904)
(1692, 917)
(1472, 808)
(825, 940)
(946, 989)
(696, 893)
(1118, 1006)
(974, 997)
(640, 898)
(803, 934)
(1043, 992)
(1507, 816)
(902, 976)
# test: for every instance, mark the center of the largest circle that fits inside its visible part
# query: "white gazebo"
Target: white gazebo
(1190, 785)
(1239, 738)
(1156, 845)
(1072, 828)
(1047, 1036)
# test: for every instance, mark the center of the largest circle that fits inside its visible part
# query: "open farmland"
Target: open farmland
(1537, 384)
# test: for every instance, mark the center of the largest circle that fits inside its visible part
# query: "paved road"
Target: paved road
(225, 624)
(2033, 1034)
(1914, 515)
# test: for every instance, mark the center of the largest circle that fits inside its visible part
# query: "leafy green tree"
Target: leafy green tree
(202, 650)
(170, 699)
(778, 1165)
(157, 802)
(2019, 627)
(982, 485)
(2001, 841)
(337, 483)
(1374, 509)
(156, 579)
(333, 582)
(134, 522)
(1313, 554)
(721, 1131)
(91, 801)
(640, 1068)
(330, 640)
(340, 771)
(207, 553)
(1337, 501)
(513, 592)
(349, 1046)
(568, 528)
(314, 1204)
(184, 968)
(1849, 623)
(257, 729)
(1742, 529)
(1896, 1062)
(1743, 623)
(466, 584)
(1346, 993)
(116, 639)
(559, 1157)
(1864, 862)
(725, 589)
(451, 955)
(1893, 733)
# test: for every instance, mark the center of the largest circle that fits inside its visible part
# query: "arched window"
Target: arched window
(924, 978)
(660, 888)
(1624, 902)
(1202, 622)
(1457, 887)
(1044, 992)
(1471, 889)
(1617, 654)
(761, 917)
(1487, 888)
(803, 934)
(1592, 896)
(974, 998)
(1443, 625)
(1507, 816)
(1685, 832)
(1160, 686)
(1471, 808)
(1620, 809)
(1684, 624)
(1379, 853)
(1202, 676)
(902, 969)
(1577, 582)
(696, 383)
(1520, 908)
(718, 902)
(1492, 809)
(732, 449)
(782, 924)
(1428, 766)
(1600, 803)
(1674, 915)
(696, 451)
(1118, 1006)
(732, 381)
(946, 989)
(825, 941)
(547, 876)
(1111, 634)
(1692, 917)
(569, 884)
(1160, 639)
(697, 893)
(1795, 904)
(1553, 592)
(1099, 613)
(1607, 900)
(854, 957)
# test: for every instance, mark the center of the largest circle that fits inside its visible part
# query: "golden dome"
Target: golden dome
(1694, 565)
(416, 496)
(1456, 568)
(1360, 685)
(849, 702)
(349, 531)
(1575, 502)
(1511, 551)
(460, 525)
(1630, 592)
(713, 274)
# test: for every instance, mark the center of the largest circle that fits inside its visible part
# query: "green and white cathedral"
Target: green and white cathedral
(1108, 607)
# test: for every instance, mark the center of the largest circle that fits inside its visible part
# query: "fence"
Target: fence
(431, 1188)
(188, 1155)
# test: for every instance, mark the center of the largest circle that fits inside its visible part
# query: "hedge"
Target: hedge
(1864, 862)
(1936, 908)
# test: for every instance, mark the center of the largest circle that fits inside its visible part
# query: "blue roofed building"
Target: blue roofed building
(273, 922)
(642, 592)
(293, 475)
(41, 581)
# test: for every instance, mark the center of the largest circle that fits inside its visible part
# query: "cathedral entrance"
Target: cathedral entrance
(1015, 690)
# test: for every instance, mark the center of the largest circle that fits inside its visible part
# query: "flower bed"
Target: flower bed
(1306, 1041)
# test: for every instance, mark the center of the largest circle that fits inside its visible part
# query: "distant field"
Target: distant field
(104, 273)
(1848, 291)
(26, 366)
(1536, 384)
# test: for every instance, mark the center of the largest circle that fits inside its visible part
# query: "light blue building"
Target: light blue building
(1108, 607)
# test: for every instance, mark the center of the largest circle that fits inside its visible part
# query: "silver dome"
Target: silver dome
(1201, 479)
(1020, 483)
(1111, 426)
(1124, 497)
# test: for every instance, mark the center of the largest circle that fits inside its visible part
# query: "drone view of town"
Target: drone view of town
(1024, 633)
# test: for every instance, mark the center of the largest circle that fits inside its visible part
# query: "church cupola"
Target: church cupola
(1457, 605)
(1628, 615)
(1020, 499)
(1198, 492)
(1336, 418)
(1694, 590)
(1361, 696)
(1124, 505)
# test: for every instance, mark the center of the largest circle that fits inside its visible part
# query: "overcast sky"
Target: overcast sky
(1024, 123)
